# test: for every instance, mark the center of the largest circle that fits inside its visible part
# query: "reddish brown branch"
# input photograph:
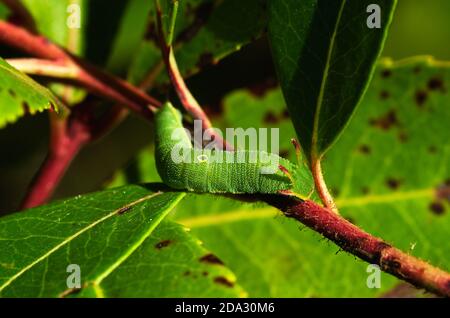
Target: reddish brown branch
(363, 245)
(20, 15)
(88, 76)
(67, 138)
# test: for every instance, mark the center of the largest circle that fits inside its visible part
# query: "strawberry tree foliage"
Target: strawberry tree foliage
(379, 126)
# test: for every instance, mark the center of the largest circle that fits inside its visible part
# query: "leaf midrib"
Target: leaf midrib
(324, 83)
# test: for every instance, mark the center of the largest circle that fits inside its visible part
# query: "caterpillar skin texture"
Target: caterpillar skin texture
(213, 177)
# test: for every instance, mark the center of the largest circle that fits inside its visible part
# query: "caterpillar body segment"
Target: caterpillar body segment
(183, 167)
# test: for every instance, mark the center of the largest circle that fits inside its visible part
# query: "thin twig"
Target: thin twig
(20, 15)
(40, 67)
(56, 62)
(90, 77)
(187, 99)
(321, 186)
(65, 142)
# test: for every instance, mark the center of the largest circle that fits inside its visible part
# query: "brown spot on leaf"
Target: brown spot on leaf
(365, 190)
(26, 107)
(123, 210)
(393, 183)
(443, 192)
(12, 93)
(420, 97)
(285, 114)
(432, 149)
(436, 84)
(205, 274)
(223, 281)
(403, 137)
(386, 121)
(163, 244)
(211, 259)
(270, 118)
(417, 70)
(187, 273)
(364, 149)
(384, 94)
(386, 73)
(284, 153)
(437, 208)
(201, 16)
(335, 192)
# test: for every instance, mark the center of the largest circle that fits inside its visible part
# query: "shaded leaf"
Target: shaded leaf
(324, 53)
(130, 34)
(205, 32)
(19, 95)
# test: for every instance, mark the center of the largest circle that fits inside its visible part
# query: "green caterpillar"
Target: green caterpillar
(197, 173)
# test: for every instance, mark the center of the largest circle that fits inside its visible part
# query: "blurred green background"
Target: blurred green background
(419, 28)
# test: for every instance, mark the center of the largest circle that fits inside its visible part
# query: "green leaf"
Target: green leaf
(51, 18)
(390, 174)
(205, 32)
(4, 11)
(19, 94)
(391, 169)
(130, 34)
(118, 242)
(324, 53)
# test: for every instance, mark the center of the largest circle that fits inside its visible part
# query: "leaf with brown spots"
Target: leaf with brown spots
(205, 33)
(387, 180)
(408, 136)
(20, 95)
(268, 253)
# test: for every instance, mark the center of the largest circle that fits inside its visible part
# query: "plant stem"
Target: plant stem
(56, 69)
(88, 76)
(186, 98)
(65, 142)
(173, 18)
(20, 14)
(321, 186)
(363, 245)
